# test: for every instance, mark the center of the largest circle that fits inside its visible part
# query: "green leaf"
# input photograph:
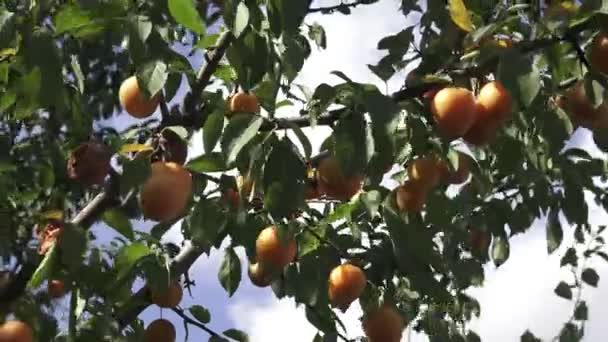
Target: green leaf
(594, 90)
(354, 146)
(297, 50)
(286, 15)
(295, 129)
(308, 242)
(241, 20)
(284, 174)
(44, 268)
(590, 277)
(317, 34)
(240, 130)
(237, 335)
(569, 258)
(152, 76)
(529, 337)
(77, 73)
(212, 130)
(520, 76)
(205, 223)
(134, 173)
(201, 314)
(563, 290)
(211, 162)
(78, 22)
(185, 13)
(472, 337)
(500, 250)
(230, 272)
(460, 15)
(116, 219)
(581, 312)
(142, 27)
(128, 257)
(248, 55)
(555, 234)
(321, 318)
(7, 27)
(73, 245)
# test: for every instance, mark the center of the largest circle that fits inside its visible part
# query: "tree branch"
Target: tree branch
(84, 219)
(140, 300)
(341, 7)
(192, 116)
(189, 320)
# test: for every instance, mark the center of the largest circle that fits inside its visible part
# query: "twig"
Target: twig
(342, 253)
(579, 51)
(331, 9)
(140, 300)
(189, 320)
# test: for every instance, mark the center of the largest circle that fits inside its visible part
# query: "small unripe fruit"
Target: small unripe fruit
(259, 276)
(599, 52)
(383, 324)
(134, 101)
(454, 111)
(410, 197)
(169, 298)
(165, 194)
(334, 183)
(346, 284)
(89, 163)
(425, 172)
(272, 252)
(243, 102)
(16, 331)
(56, 288)
(160, 330)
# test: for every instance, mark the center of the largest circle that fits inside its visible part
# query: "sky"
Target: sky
(517, 296)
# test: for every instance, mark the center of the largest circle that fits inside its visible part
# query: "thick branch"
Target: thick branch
(140, 300)
(192, 115)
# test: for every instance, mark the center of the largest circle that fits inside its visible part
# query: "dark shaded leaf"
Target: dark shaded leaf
(590, 277)
(120, 222)
(563, 290)
(230, 272)
(201, 314)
